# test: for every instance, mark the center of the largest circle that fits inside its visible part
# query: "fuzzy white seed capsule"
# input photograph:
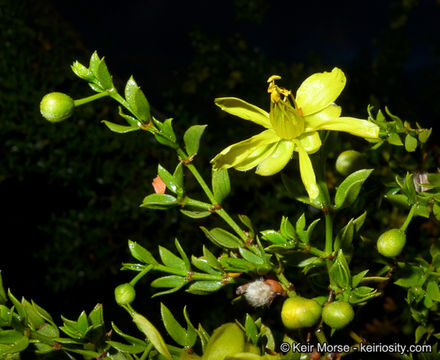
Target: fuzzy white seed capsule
(259, 294)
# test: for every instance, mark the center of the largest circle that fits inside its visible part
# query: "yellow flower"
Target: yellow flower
(291, 125)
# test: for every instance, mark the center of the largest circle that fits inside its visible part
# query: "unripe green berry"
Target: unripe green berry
(349, 161)
(337, 314)
(125, 294)
(299, 312)
(56, 106)
(391, 242)
(225, 341)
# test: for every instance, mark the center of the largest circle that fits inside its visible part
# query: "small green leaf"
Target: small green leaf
(95, 87)
(83, 323)
(120, 129)
(362, 294)
(129, 338)
(35, 320)
(236, 265)
(195, 214)
(221, 186)
(222, 238)
(410, 143)
(140, 253)
(301, 223)
(166, 130)
(410, 276)
(424, 135)
(191, 333)
(18, 306)
(170, 281)
(349, 189)
(174, 329)
(3, 297)
(433, 291)
(178, 175)
(409, 189)
(251, 257)
(420, 331)
(18, 345)
(251, 329)
(128, 349)
(130, 119)
(94, 62)
(394, 139)
(167, 178)
(191, 138)
(96, 316)
(359, 221)
(356, 279)
(204, 287)
(159, 201)
(137, 100)
(340, 273)
(171, 260)
(344, 237)
(248, 223)
(398, 200)
(103, 75)
(203, 265)
(286, 229)
(182, 254)
(274, 237)
(152, 334)
(82, 72)
(211, 259)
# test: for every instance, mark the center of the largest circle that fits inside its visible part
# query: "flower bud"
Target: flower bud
(56, 106)
(125, 294)
(299, 312)
(349, 161)
(226, 340)
(391, 242)
(337, 314)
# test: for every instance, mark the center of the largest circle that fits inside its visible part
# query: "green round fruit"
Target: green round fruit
(56, 106)
(391, 242)
(299, 312)
(349, 161)
(337, 314)
(125, 294)
(225, 341)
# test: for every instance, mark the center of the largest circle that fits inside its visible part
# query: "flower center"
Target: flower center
(285, 118)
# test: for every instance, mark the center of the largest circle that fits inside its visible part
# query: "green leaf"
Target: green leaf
(204, 287)
(95, 87)
(394, 139)
(174, 329)
(94, 62)
(195, 214)
(286, 229)
(410, 276)
(251, 257)
(18, 306)
(166, 130)
(82, 72)
(344, 237)
(170, 281)
(130, 119)
(152, 334)
(19, 344)
(120, 129)
(159, 201)
(137, 100)
(420, 331)
(424, 135)
(191, 138)
(410, 143)
(96, 316)
(140, 253)
(236, 265)
(398, 200)
(129, 349)
(349, 189)
(274, 237)
(433, 291)
(103, 75)
(211, 259)
(409, 189)
(3, 297)
(167, 178)
(43, 313)
(171, 260)
(35, 320)
(340, 273)
(359, 221)
(222, 238)
(129, 338)
(221, 186)
(248, 223)
(251, 329)
(203, 265)
(182, 254)
(356, 279)
(362, 294)
(83, 323)
(191, 333)
(178, 175)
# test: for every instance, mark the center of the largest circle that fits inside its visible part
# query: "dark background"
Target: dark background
(70, 192)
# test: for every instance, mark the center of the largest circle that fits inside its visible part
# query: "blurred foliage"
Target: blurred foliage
(91, 181)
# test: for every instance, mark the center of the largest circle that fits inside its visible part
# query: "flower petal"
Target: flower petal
(357, 127)
(286, 121)
(307, 173)
(243, 110)
(320, 90)
(276, 161)
(254, 158)
(311, 142)
(237, 154)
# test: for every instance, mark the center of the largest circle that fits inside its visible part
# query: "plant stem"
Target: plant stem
(91, 98)
(312, 250)
(328, 233)
(147, 351)
(286, 283)
(408, 218)
(141, 275)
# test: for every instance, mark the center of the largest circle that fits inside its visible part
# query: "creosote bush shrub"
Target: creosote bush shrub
(308, 276)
